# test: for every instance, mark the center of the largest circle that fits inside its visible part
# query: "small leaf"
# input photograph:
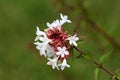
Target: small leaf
(118, 75)
(81, 42)
(79, 56)
(110, 78)
(105, 57)
(88, 57)
(97, 72)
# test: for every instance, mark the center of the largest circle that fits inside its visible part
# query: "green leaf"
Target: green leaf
(97, 72)
(81, 42)
(105, 57)
(79, 56)
(118, 75)
(88, 57)
(110, 78)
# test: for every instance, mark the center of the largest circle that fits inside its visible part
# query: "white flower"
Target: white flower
(64, 64)
(73, 39)
(55, 49)
(50, 51)
(64, 19)
(53, 63)
(39, 33)
(54, 24)
(51, 25)
(45, 40)
(42, 52)
(62, 51)
(41, 47)
(58, 23)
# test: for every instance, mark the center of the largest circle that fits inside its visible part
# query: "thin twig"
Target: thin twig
(97, 64)
(97, 27)
(78, 20)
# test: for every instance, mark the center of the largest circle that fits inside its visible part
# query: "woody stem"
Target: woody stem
(97, 64)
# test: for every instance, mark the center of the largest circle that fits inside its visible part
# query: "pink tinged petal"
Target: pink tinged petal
(64, 48)
(62, 52)
(37, 43)
(42, 52)
(62, 67)
(48, 24)
(70, 42)
(53, 63)
(64, 64)
(58, 53)
(44, 40)
(74, 43)
(67, 53)
(41, 48)
(64, 19)
(57, 22)
(37, 37)
(73, 39)
(62, 55)
(41, 38)
(61, 15)
(50, 51)
(38, 32)
(68, 21)
(76, 38)
(59, 48)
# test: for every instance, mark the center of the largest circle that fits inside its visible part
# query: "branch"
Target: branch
(97, 64)
(96, 27)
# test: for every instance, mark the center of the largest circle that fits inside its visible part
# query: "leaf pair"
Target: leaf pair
(103, 58)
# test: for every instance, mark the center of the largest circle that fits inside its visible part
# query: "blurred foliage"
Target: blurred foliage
(19, 60)
(97, 71)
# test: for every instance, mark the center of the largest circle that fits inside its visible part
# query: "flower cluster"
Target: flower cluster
(54, 43)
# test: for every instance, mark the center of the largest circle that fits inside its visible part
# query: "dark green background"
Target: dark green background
(19, 60)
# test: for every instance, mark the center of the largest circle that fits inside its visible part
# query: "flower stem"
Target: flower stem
(97, 64)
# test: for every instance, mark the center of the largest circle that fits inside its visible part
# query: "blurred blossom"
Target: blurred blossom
(55, 42)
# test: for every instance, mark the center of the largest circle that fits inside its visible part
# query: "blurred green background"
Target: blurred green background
(19, 60)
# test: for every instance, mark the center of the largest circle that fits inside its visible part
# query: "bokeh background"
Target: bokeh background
(97, 23)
